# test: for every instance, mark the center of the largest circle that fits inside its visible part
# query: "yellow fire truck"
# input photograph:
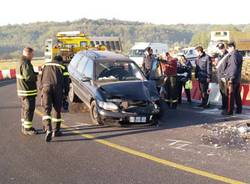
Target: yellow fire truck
(70, 42)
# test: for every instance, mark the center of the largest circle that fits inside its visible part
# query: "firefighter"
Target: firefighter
(53, 88)
(66, 81)
(147, 61)
(169, 68)
(27, 90)
(233, 79)
(220, 66)
(203, 73)
(184, 75)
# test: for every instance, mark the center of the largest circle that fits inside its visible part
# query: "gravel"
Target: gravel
(225, 135)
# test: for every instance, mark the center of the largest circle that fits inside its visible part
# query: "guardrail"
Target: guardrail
(215, 97)
(11, 73)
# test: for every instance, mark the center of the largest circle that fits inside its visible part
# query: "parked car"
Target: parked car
(113, 87)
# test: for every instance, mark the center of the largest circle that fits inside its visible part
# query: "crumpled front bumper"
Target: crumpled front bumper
(147, 112)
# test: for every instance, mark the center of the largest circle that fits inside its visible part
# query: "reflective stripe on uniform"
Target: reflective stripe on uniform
(27, 124)
(57, 120)
(46, 117)
(171, 101)
(27, 93)
(31, 94)
(66, 74)
(54, 64)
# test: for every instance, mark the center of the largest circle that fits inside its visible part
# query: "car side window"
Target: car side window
(88, 70)
(75, 60)
(81, 64)
(156, 70)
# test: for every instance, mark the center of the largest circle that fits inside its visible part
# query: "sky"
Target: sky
(154, 11)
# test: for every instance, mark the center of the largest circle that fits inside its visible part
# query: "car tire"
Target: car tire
(72, 95)
(94, 115)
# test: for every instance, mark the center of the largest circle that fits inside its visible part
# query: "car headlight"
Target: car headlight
(107, 106)
(156, 106)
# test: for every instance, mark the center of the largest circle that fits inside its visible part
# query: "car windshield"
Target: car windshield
(136, 53)
(118, 71)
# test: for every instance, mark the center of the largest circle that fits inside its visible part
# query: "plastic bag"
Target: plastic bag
(188, 84)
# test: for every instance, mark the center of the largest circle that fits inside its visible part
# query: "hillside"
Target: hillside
(14, 37)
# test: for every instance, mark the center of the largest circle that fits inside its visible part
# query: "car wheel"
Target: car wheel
(94, 115)
(72, 95)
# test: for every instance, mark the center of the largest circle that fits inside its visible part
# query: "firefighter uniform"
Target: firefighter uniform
(27, 91)
(54, 86)
(169, 68)
(203, 72)
(233, 78)
(184, 75)
(66, 82)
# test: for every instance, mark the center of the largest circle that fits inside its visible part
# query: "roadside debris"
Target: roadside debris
(78, 107)
(225, 135)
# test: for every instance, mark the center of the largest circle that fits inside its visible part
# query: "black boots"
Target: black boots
(57, 132)
(48, 136)
(29, 131)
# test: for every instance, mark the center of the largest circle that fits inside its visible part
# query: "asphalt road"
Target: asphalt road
(87, 153)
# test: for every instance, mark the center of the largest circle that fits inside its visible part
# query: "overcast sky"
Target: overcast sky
(155, 11)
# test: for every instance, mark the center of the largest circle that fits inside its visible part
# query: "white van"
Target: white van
(136, 53)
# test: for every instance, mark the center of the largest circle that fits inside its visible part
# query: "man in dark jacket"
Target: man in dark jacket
(221, 66)
(184, 75)
(203, 73)
(27, 90)
(233, 78)
(54, 87)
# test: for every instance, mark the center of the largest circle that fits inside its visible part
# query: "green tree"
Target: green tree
(200, 39)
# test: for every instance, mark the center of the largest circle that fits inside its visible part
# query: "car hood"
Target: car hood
(130, 90)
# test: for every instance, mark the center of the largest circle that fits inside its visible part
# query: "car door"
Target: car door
(78, 75)
(86, 80)
(74, 72)
(156, 73)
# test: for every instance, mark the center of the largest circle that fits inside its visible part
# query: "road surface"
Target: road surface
(92, 154)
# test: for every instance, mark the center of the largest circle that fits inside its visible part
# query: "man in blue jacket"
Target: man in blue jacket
(233, 78)
(203, 73)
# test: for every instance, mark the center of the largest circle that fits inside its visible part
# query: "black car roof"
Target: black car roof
(104, 55)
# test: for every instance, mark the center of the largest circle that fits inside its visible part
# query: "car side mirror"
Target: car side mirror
(85, 79)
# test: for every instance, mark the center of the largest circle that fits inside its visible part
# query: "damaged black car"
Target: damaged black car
(113, 87)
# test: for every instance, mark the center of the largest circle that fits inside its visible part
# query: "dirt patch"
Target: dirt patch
(233, 136)
(78, 107)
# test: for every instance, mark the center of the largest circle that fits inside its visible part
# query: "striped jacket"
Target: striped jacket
(26, 78)
(55, 74)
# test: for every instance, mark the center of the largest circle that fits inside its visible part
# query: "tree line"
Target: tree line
(14, 37)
